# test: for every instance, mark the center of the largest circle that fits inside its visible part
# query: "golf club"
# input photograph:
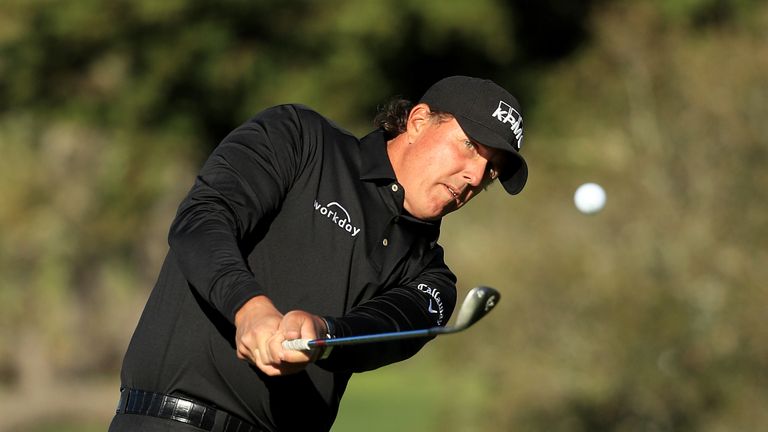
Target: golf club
(479, 301)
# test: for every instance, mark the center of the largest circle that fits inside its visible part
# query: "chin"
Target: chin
(428, 213)
(439, 212)
(428, 216)
(429, 210)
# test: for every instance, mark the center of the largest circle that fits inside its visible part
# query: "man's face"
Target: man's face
(443, 169)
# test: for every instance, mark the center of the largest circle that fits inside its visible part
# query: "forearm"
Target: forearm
(399, 309)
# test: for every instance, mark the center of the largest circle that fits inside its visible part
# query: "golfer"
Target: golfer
(294, 228)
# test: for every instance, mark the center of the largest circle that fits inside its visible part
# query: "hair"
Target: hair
(392, 117)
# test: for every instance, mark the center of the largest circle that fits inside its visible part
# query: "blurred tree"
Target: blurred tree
(651, 317)
(107, 108)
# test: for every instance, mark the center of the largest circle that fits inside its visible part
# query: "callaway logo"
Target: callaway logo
(435, 294)
(490, 303)
(338, 215)
(429, 308)
(506, 114)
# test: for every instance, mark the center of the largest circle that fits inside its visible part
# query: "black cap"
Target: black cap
(489, 115)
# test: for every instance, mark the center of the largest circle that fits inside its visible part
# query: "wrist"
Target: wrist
(254, 304)
(328, 334)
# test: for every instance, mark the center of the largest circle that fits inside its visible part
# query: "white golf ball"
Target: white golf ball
(589, 198)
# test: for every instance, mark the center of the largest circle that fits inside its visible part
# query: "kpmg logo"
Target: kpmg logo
(435, 303)
(338, 215)
(506, 114)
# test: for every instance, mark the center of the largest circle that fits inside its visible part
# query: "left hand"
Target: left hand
(298, 324)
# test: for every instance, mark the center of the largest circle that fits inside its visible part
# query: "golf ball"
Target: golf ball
(589, 198)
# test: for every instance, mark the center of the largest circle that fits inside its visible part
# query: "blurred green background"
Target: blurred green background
(649, 316)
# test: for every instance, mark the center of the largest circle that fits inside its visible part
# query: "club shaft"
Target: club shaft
(479, 301)
(304, 344)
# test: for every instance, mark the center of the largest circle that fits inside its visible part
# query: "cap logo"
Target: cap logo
(506, 114)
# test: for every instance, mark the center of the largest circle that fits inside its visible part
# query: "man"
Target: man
(296, 229)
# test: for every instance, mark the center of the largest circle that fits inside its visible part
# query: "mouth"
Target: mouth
(454, 195)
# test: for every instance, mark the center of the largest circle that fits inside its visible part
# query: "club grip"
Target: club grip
(297, 344)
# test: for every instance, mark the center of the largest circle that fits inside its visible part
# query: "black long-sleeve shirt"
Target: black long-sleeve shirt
(290, 206)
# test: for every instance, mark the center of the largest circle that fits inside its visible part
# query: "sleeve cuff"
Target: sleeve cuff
(237, 296)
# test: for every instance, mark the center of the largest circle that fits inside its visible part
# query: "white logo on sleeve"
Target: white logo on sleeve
(338, 215)
(435, 295)
(429, 308)
(506, 114)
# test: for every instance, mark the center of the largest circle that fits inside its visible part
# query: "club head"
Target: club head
(479, 301)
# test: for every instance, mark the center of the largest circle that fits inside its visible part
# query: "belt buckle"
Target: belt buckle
(122, 401)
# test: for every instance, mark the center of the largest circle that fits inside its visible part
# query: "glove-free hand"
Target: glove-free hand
(261, 330)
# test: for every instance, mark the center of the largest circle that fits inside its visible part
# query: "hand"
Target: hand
(298, 324)
(261, 329)
(257, 321)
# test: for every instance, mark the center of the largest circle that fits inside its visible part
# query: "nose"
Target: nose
(475, 171)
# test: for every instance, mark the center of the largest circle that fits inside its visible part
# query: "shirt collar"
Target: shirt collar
(375, 164)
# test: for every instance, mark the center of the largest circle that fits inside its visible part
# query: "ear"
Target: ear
(418, 119)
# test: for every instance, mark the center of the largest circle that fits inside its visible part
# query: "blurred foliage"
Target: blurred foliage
(643, 317)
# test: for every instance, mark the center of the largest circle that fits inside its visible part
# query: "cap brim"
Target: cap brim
(514, 175)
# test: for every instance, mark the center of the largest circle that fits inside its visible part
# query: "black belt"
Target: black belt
(181, 409)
